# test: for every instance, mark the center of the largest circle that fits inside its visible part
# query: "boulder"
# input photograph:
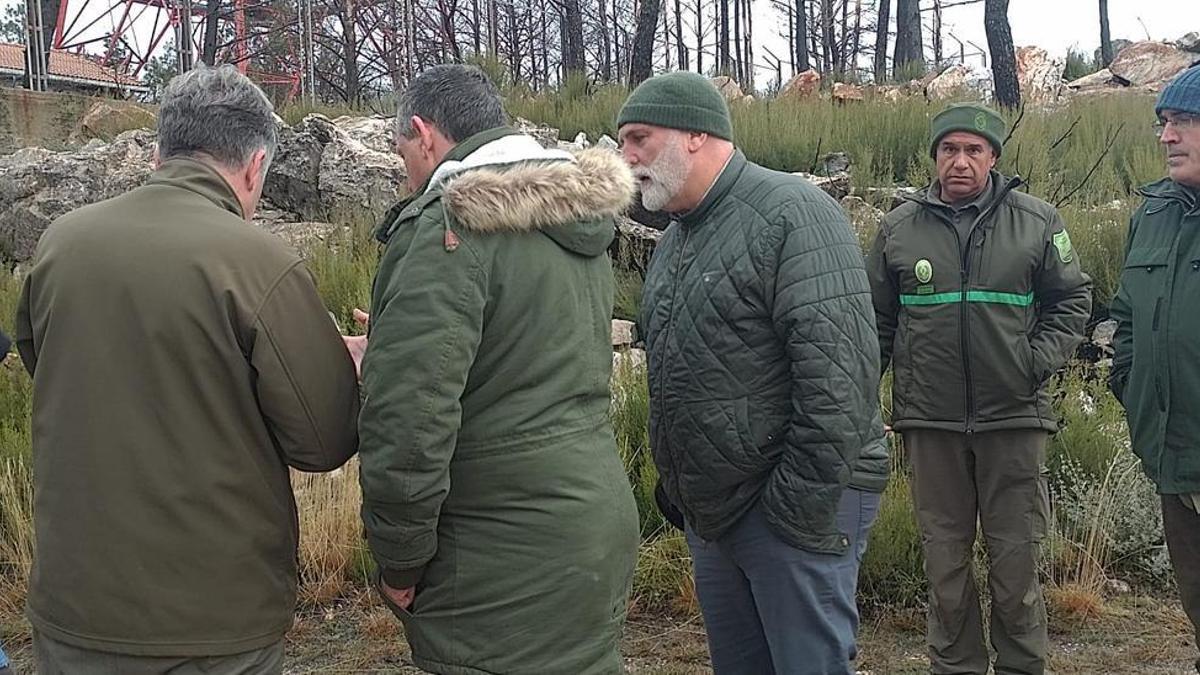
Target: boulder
(623, 333)
(835, 163)
(1100, 78)
(1189, 42)
(729, 88)
(951, 82)
(607, 143)
(634, 244)
(375, 131)
(546, 136)
(1117, 46)
(38, 185)
(843, 92)
(321, 173)
(1150, 63)
(105, 120)
(802, 85)
(1038, 75)
(835, 185)
(889, 93)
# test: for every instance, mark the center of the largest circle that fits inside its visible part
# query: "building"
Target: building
(70, 72)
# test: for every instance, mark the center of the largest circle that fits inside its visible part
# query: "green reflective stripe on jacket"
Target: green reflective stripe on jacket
(996, 297)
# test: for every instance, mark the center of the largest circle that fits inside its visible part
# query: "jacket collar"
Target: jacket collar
(493, 148)
(198, 177)
(1168, 189)
(720, 188)
(1000, 187)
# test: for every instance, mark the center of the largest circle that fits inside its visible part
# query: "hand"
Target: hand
(357, 344)
(887, 430)
(402, 598)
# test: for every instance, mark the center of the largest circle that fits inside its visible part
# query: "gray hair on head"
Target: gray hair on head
(215, 112)
(458, 99)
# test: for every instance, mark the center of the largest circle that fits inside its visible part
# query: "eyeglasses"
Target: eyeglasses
(1179, 121)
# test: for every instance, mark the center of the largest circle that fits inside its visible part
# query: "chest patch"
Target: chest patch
(923, 270)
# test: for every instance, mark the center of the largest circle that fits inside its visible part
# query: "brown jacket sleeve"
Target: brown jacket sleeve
(306, 384)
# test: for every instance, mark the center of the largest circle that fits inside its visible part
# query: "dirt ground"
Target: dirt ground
(1135, 635)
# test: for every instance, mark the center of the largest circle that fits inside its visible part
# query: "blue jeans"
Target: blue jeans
(772, 608)
(3, 658)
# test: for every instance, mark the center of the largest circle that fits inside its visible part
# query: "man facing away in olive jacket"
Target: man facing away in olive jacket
(979, 298)
(181, 362)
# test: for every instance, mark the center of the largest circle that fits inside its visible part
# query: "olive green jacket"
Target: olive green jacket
(491, 479)
(181, 362)
(972, 338)
(1156, 365)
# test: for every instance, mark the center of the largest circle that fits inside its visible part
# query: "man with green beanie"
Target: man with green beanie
(764, 417)
(979, 299)
(1156, 365)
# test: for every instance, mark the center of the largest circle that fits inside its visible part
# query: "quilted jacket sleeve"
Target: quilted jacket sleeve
(822, 310)
(426, 325)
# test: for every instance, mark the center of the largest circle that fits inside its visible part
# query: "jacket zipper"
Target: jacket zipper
(965, 279)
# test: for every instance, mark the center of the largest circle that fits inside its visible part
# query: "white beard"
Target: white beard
(667, 176)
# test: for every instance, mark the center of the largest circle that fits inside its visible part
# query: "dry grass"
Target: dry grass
(16, 528)
(1074, 604)
(331, 543)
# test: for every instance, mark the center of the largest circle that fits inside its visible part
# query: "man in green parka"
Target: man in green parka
(494, 499)
(1156, 365)
(979, 299)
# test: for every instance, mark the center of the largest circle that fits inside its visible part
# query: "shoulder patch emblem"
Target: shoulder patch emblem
(1062, 242)
(923, 270)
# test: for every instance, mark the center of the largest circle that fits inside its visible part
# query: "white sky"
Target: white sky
(1054, 25)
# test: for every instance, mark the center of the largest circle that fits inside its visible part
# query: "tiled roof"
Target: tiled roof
(66, 65)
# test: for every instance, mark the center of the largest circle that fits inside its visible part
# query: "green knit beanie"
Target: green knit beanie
(971, 118)
(680, 100)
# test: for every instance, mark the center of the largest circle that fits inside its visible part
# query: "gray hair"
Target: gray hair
(458, 99)
(217, 112)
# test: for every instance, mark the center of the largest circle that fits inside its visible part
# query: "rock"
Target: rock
(950, 82)
(843, 92)
(607, 143)
(38, 185)
(106, 119)
(1100, 78)
(729, 88)
(1038, 75)
(919, 86)
(835, 162)
(582, 141)
(1150, 63)
(623, 333)
(375, 131)
(864, 218)
(1117, 46)
(321, 173)
(889, 93)
(1189, 42)
(1102, 335)
(836, 185)
(1117, 587)
(802, 85)
(634, 244)
(546, 136)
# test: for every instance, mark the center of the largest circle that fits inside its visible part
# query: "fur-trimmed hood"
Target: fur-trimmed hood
(570, 198)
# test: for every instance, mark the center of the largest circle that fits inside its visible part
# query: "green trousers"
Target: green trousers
(58, 658)
(996, 479)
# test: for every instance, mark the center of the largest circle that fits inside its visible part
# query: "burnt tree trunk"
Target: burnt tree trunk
(881, 40)
(641, 58)
(1106, 52)
(1004, 60)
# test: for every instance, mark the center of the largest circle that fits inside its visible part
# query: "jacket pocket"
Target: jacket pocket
(1145, 280)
